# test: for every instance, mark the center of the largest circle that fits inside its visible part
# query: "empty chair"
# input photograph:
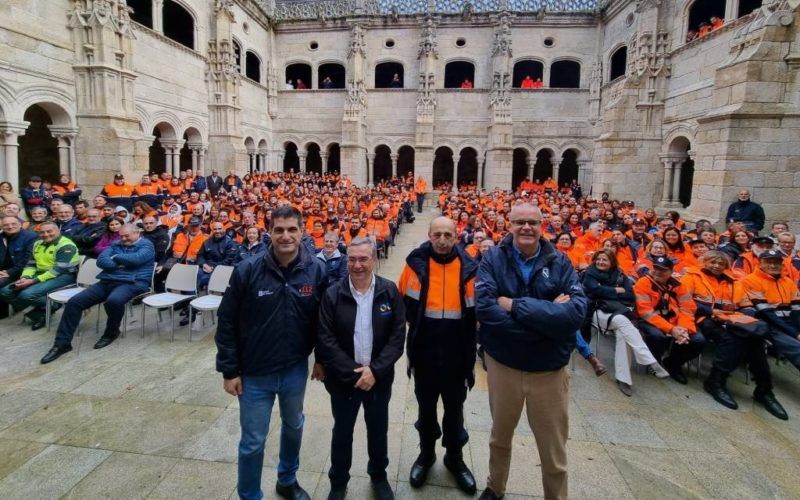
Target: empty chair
(87, 276)
(181, 278)
(217, 285)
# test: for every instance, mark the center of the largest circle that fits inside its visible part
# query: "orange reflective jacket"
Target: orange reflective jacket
(766, 293)
(188, 247)
(114, 191)
(443, 300)
(666, 306)
(714, 295)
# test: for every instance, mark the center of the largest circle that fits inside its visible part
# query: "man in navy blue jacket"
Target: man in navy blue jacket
(16, 247)
(267, 328)
(127, 270)
(529, 303)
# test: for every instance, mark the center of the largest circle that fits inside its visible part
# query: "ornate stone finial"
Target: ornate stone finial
(426, 97)
(467, 11)
(225, 6)
(502, 36)
(355, 104)
(357, 44)
(428, 44)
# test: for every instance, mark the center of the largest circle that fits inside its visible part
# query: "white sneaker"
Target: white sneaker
(658, 370)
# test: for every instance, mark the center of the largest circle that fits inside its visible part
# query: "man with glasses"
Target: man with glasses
(438, 285)
(16, 246)
(747, 211)
(530, 303)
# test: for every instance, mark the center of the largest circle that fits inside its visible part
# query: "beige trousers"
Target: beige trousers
(545, 396)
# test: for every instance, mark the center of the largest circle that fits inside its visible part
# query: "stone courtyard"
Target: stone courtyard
(147, 418)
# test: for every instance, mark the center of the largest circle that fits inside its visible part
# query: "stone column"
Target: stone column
(529, 163)
(176, 162)
(201, 161)
(12, 157)
(251, 161)
(195, 154)
(677, 167)
(556, 168)
(302, 156)
(158, 15)
(63, 156)
(279, 161)
(168, 155)
(370, 161)
(666, 191)
(394, 157)
(262, 167)
(585, 175)
(324, 157)
(2, 157)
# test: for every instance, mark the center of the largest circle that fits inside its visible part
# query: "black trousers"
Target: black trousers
(431, 382)
(4, 304)
(376, 416)
(659, 343)
(732, 348)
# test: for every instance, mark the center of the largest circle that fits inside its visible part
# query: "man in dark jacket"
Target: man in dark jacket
(33, 195)
(335, 261)
(529, 304)
(438, 287)
(16, 246)
(218, 250)
(66, 221)
(158, 236)
(267, 328)
(361, 334)
(214, 183)
(86, 237)
(127, 269)
(747, 211)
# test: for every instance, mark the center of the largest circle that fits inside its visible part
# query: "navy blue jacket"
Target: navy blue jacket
(335, 267)
(20, 246)
(245, 251)
(221, 252)
(268, 316)
(748, 212)
(128, 263)
(70, 228)
(199, 185)
(537, 335)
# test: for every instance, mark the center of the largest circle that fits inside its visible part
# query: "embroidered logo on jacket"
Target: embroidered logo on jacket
(306, 290)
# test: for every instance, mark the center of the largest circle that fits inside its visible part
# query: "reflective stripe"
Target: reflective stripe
(795, 307)
(648, 316)
(443, 314)
(783, 314)
(764, 306)
(704, 298)
(414, 294)
(470, 302)
(684, 297)
(643, 297)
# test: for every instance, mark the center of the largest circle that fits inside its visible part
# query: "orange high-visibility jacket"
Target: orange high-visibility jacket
(188, 245)
(665, 307)
(711, 293)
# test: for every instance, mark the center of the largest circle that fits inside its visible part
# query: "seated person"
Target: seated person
(335, 261)
(16, 246)
(252, 245)
(773, 298)
(527, 83)
(218, 250)
(466, 84)
(666, 312)
(737, 335)
(53, 265)
(87, 236)
(67, 223)
(127, 267)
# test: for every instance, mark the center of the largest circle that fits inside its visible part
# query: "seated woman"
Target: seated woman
(737, 335)
(656, 248)
(110, 237)
(612, 295)
(676, 250)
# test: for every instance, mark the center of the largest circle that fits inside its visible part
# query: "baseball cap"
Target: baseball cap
(119, 176)
(771, 254)
(35, 178)
(639, 221)
(763, 240)
(663, 263)
(195, 221)
(696, 241)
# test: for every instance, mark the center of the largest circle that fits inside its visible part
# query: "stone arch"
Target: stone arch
(142, 12)
(313, 158)
(167, 129)
(6, 102)
(180, 23)
(568, 166)
(164, 136)
(38, 149)
(193, 136)
(291, 162)
(250, 145)
(382, 164)
(443, 166)
(682, 178)
(519, 166)
(543, 164)
(618, 62)
(58, 104)
(385, 71)
(405, 160)
(252, 63)
(696, 11)
(263, 145)
(334, 157)
(527, 66)
(333, 69)
(566, 72)
(684, 130)
(467, 166)
(457, 70)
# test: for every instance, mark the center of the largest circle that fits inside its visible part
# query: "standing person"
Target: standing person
(127, 268)
(530, 304)
(34, 195)
(747, 211)
(335, 261)
(438, 285)
(421, 188)
(214, 183)
(361, 334)
(267, 328)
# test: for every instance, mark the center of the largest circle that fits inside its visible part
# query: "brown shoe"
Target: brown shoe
(599, 367)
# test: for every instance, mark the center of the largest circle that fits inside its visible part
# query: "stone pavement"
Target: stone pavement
(147, 418)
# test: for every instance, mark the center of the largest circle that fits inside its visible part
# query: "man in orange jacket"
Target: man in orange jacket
(666, 318)
(421, 189)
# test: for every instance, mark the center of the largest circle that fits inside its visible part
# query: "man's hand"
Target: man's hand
(505, 303)
(23, 283)
(680, 334)
(207, 268)
(318, 372)
(367, 380)
(561, 299)
(3, 274)
(159, 269)
(233, 386)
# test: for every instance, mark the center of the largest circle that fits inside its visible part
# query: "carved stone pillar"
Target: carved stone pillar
(168, 157)
(324, 157)
(370, 162)
(302, 155)
(201, 161)
(262, 166)
(158, 16)
(585, 175)
(251, 161)
(195, 154)
(666, 191)
(677, 167)
(556, 171)
(11, 146)
(394, 157)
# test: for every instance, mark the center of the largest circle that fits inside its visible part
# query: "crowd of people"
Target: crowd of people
(520, 278)
(704, 28)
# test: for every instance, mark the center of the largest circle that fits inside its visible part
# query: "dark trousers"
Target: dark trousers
(786, 345)
(420, 202)
(431, 383)
(732, 348)
(376, 416)
(659, 343)
(4, 304)
(115, 294)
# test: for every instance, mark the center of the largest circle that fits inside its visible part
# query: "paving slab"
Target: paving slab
(123, 475)
(197, 479)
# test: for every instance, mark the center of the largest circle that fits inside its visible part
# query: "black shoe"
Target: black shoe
(38, 323)
(382, 490)
(720, 394)
(55, 352)
(488, 494)
(338, 493)
(464, 478)
(421, 467)
(292, 492)
(768, 401)
(106, 339)
(676, 372)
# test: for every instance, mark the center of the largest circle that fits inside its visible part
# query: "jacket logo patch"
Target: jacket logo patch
(263, 293)
(306, 290)
(546, 273)
(385, 309)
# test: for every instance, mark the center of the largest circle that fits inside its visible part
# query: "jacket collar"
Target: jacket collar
(381, 287)
(303, 259)
(419, 257)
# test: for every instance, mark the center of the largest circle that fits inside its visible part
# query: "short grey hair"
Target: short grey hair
(363, 240)
(134, 228)
(596, 225)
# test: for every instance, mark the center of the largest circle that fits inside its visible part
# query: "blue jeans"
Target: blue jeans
(255, 407)
(35, 294)
(582, 346)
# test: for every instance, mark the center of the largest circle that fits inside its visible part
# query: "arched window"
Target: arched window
(467, 167)
(459, 74)
(313, 159)
(405, 161)
(568, 170)
(519, 167)
(704, 17)
(291, 162)
(252, 66)
(619, 62)
(748, 6)
(178, 23)
(38, 149)
(528, 74)
(142, 12)
(543, 168)
(565, 75)
(334, 162)
(298, 75)
(330, 76)
(237, 56)
(442, 167)
(385, 75)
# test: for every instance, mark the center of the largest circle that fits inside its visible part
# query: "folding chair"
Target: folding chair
(217, 285)
(181, 278)
(129, 305)
(87, 276)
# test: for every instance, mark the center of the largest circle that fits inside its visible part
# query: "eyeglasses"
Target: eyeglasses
(523, 223)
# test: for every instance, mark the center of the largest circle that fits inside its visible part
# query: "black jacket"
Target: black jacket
(266, 320)
(337, 318)
(214, 185)
(20, 248)
(88, 236)
(159, 237)
(221, 252)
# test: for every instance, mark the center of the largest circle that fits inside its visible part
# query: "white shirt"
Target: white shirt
(362, 334)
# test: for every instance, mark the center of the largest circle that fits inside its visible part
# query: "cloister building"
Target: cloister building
(670, 103)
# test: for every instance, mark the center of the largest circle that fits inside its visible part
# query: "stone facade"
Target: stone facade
(114, 85)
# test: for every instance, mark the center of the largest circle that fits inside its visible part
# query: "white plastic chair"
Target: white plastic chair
(217, 285)
(181, 278)
(129, 304)
(87, 276)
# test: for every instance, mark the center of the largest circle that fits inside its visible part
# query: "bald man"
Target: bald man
(438, 286)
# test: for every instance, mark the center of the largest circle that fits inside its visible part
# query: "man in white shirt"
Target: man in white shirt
(361, 334)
